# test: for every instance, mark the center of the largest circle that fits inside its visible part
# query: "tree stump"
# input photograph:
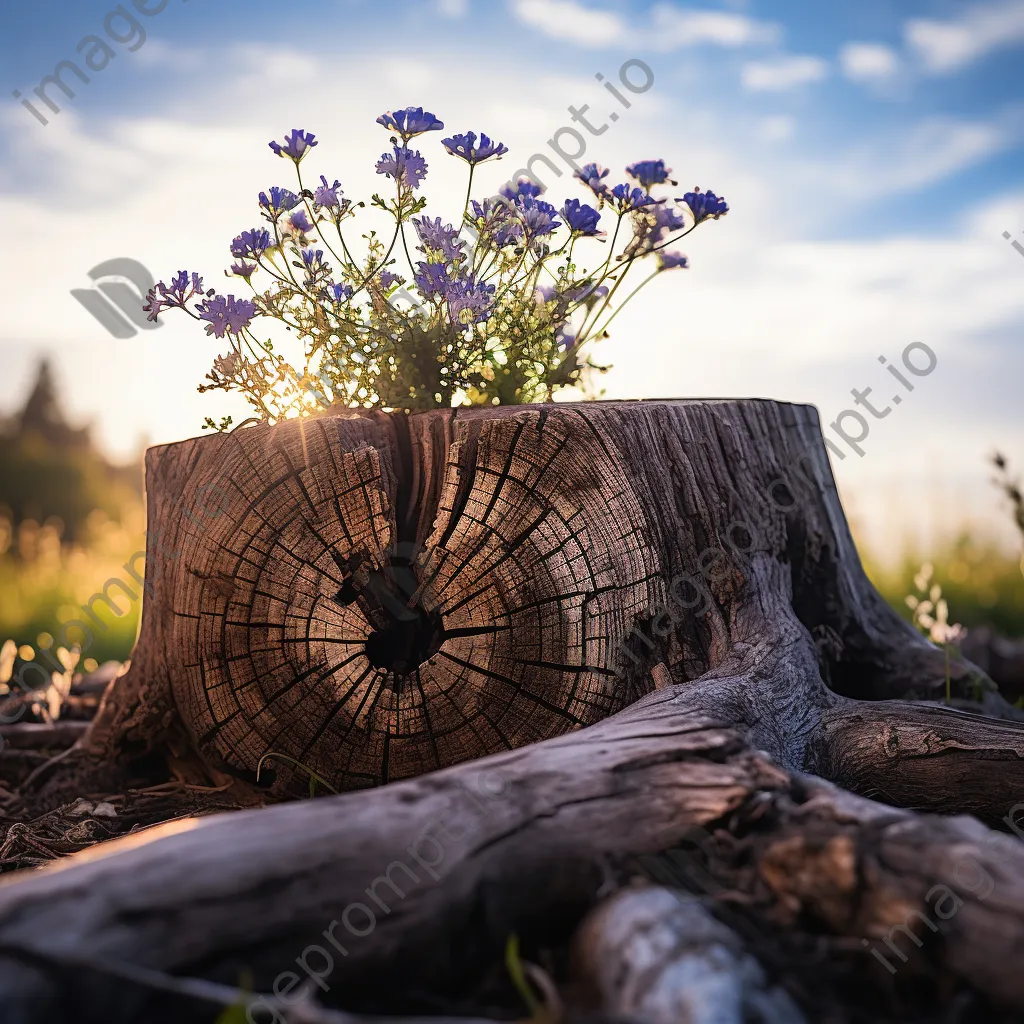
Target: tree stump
(369, 597)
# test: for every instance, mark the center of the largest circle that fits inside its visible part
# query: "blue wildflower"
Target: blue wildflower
(650, 172)
(408, 168)
(591, 175)
(252, 243)
(495, 222)
(671, 260)
(226, 314)
(299, 222)
(410, 122)
(312, 259)
(296, 145)
(704, 205)
(439, 238)
(243, 269)
(665, 219)
(508, 233)
(628, 198)
(432, 279)
(279, 201)
(488, 209)
(329, 197)
(524, 187)
(465, 146)
(581, 219)
(537, 217)
(182, 288)
(651, 225)
(469, 302)
(387, 279)
(339, 292)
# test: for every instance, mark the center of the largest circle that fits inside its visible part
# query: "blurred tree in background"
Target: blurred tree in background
(69, 520)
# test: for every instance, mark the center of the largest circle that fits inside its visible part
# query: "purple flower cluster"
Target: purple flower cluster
(469, 301)
(181, 289)
(338, 292)
(581, 219)
(299, 223)
(650, 173)
(410, 122)
(317, 271)
(329, 198)
(406, 166)
(627, 198)
(252, 244)
(537, 217)
(514, 235)
(704, 205)
(277, 201)
(295, 146)
(591, 175)
(432, 279)
(524, 187)
(465, 146)
(243, 269)
(438, 238)
(226, 314)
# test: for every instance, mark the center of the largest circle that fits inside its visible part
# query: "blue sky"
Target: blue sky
(871, 153)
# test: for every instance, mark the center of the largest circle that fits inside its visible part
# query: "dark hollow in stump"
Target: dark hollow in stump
(371, 597)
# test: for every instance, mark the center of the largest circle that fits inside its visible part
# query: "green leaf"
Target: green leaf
(518, 976)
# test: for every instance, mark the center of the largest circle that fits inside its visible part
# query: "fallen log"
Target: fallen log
(39, 735)
(376, 897)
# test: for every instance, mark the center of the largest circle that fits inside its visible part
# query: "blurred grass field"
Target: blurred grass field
(981, 581)
(44, 582)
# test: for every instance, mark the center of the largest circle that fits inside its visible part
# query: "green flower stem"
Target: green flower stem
(622, 305)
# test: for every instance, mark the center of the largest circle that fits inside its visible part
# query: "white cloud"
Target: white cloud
(783, 74)
(868, 62)
(670, 27)
(947, 46)
(571, 21)
(453, 8)
(777, 128)
(918, 156)
(673, 28)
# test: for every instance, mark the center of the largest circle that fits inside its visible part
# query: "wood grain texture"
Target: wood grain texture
(378, 596)
(525, 841)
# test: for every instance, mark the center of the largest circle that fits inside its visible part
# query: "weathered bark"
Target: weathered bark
(371, 597)
(378, 596)
(526, 841)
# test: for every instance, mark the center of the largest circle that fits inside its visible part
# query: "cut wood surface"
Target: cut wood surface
(382, 601)
(376, 596)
